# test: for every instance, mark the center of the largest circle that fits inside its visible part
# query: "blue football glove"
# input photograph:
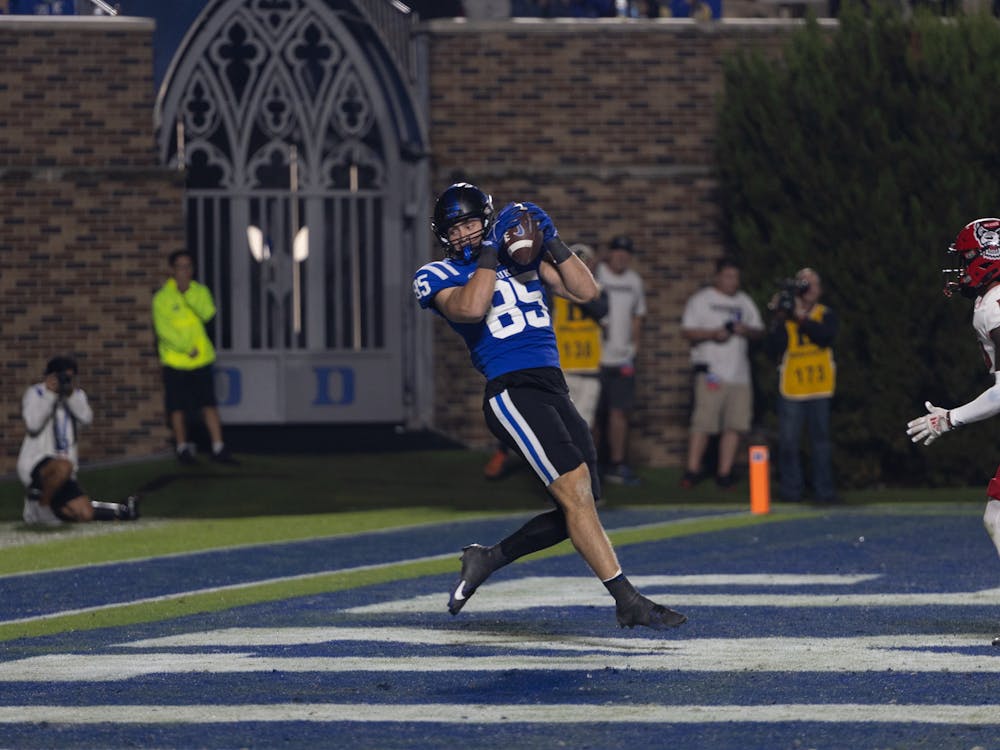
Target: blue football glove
(505, 218)
(543, 220)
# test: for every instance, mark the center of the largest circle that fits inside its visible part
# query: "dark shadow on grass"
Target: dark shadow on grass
(164, 480)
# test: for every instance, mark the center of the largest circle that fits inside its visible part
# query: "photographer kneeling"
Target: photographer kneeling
(48, 460)
(800, 337)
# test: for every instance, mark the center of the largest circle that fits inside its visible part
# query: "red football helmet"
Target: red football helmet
(977, 251)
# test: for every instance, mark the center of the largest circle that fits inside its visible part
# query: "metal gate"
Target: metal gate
(303, 170)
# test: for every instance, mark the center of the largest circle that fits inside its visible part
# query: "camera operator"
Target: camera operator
(48, 460)
(800, 337)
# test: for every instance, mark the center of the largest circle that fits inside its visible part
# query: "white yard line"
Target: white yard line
(499, 652)
(450, 713)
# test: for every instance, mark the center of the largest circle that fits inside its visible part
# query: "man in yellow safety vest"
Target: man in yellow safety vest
(801, 335)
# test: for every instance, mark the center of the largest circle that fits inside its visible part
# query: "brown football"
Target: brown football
(523, 241)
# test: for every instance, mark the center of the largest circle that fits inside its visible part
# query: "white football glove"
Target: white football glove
(931, 426)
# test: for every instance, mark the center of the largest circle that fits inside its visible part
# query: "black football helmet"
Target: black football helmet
(460, 202)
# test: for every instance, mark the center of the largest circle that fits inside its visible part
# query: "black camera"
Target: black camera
(790, 289)
(65, 383)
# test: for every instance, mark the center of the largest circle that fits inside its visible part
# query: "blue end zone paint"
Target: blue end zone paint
(929, 553)
(521, 736)
(26, 595)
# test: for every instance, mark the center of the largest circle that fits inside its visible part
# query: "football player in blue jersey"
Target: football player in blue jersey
(498, 307)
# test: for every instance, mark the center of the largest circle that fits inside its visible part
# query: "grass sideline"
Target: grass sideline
(450, 480)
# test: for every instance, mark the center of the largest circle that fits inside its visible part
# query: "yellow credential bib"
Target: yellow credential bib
(578, 337)
(807, 370)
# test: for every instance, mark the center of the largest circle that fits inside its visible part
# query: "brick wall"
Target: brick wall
(86, 222)
(610, 127)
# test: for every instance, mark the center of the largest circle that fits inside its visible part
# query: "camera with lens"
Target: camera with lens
(65, 383)
(790, 289)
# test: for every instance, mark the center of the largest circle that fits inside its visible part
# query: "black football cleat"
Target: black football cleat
(642, 611)
(477, 565)
(996, 641)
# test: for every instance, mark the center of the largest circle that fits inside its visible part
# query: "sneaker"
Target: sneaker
(225, 457)
(725, 481)
(496, 466)
(477, 565)
(132, 503)
(30, 512)
(690, 479)
(36, 514)
(622, 474)
(185, 456)
(642, 611)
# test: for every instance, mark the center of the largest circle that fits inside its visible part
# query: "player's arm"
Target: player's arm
(937, 421)
(570, 277)
(471, 302)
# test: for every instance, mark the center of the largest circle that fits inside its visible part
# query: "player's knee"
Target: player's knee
(574, 489)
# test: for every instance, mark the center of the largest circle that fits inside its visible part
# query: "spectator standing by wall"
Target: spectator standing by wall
(720, 320)
(622, 327)
(181, 308)
(800, 336)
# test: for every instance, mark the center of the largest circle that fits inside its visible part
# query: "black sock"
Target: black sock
(110, 511)
(541, 532)
(621, 589)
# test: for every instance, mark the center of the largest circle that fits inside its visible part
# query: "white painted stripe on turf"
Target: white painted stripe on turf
(530, 593)
(473, 713)
(510, 640)
(318, 574)
(902, 653)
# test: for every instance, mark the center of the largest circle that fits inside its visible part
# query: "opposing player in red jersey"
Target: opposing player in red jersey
(976, 251)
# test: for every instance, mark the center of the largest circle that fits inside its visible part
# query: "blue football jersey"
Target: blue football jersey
(517, 332)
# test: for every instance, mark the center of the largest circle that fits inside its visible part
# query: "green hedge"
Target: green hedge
(862, 152)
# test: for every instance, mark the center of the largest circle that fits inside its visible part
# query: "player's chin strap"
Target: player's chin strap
(557, 250)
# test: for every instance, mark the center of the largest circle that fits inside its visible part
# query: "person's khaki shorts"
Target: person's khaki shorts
(585, 390)
(720, 407)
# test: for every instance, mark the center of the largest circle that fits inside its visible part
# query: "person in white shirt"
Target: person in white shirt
(47, 464)
(720, 321)
(619, 348)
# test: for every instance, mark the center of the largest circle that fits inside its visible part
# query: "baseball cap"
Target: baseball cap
(622, 242)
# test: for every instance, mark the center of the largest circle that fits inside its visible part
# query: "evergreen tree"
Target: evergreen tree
(861, 152)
